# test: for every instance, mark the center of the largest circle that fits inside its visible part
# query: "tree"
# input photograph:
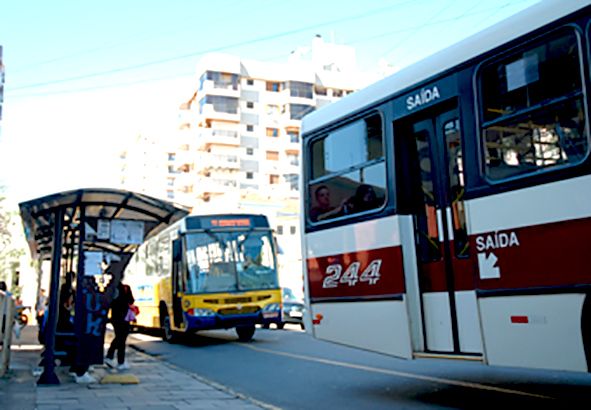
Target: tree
(10, 252)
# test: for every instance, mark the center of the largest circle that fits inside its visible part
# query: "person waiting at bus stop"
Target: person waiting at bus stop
(40, 307)
(65, 342)
(120, 320)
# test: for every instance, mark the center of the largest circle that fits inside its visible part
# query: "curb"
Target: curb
(215, 385)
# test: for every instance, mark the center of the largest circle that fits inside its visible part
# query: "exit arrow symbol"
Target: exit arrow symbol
(486, 266)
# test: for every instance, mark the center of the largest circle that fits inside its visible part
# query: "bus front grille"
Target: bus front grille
(238, 300)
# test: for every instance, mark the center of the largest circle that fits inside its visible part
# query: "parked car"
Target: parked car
(293, 310)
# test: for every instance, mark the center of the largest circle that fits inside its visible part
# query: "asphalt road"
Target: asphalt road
(291, 370)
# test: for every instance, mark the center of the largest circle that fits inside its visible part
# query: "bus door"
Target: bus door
(177, 282)
(430, 172)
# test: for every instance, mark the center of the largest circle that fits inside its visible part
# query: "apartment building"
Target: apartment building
(238, 140)
(149, 165)
(244, 117)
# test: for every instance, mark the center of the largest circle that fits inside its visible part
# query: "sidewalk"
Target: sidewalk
(161, 386)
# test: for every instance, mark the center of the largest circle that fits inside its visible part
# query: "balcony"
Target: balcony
(225, 88)
(218, 161)
(208, 112)
(212, 136)
(215, 186)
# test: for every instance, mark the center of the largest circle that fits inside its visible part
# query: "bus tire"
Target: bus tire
(245, 333)
(166, 332)
(280, 325)
(168, 335)
(586, 329)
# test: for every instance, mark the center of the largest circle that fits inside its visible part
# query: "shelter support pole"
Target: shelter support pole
(79, 306)
(48, 376)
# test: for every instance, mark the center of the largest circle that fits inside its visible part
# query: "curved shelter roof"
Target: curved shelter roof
(98, 203)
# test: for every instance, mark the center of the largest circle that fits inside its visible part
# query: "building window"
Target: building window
(293, 159)
(228, 105)
(294, 136)
(279, 229)
(170, 194)
(171, 169)
(249, 104)
(170, 181)
(320, 90)
(249, 151)
(272, 132)
(292, 230)
(249, 127)
(293, 180)
(272, 155)
(249, 175)
(300, 89)
(249, 81)
(273, 179)
(171, 156)
(298, 111)
(220, 80)
(273, 86)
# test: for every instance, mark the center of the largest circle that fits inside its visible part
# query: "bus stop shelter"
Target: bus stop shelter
(89, 236)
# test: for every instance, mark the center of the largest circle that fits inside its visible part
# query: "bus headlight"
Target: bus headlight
(271, 310)
(201, 312)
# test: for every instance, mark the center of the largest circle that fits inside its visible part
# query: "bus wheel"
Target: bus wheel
(167, 333)
(245, 333)
(280, 325)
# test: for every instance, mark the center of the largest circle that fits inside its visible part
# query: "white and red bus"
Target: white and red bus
(447, 208)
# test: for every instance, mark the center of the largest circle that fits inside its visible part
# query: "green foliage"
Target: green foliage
(10, 253)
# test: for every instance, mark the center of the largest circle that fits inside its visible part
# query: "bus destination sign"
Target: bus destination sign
(230, 222)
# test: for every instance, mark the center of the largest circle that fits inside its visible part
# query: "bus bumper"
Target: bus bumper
(195, 323)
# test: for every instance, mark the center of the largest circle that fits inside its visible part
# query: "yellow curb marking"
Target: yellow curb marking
(120, 379)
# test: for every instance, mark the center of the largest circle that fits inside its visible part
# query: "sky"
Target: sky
(85, 77)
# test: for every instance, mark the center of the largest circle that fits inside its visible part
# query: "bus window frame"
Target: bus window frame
(478, 112)
(307, 182)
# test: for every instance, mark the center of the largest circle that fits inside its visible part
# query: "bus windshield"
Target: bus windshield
(226, 261)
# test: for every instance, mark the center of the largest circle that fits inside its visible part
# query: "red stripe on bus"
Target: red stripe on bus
(377, 272)
(548, 255)
(519, 319)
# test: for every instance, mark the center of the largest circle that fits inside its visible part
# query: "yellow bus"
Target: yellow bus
(207, 272)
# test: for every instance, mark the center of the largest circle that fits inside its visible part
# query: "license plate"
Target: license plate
(296, 314)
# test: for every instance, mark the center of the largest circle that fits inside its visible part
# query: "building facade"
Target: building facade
(245, 118)
(238, 142)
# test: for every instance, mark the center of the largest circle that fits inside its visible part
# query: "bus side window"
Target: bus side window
(533, 108)
(348, 172)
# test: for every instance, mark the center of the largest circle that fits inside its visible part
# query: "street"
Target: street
(291, 370)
